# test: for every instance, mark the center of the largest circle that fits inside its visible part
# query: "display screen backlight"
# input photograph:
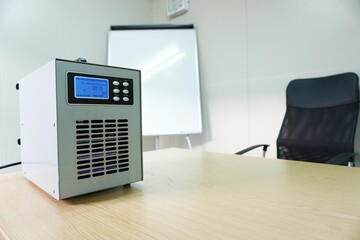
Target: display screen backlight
(91, 88)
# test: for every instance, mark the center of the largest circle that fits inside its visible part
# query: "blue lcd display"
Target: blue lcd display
(91, 88)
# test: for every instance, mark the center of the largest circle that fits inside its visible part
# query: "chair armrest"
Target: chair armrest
(265, 146)
(341, 158)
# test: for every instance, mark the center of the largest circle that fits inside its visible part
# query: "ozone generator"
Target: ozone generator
(80, 127)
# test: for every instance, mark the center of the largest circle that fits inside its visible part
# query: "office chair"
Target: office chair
(320, 120)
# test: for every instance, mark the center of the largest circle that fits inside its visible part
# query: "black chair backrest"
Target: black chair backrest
(320, 119)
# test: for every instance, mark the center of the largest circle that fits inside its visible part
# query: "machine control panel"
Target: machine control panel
(95, 89)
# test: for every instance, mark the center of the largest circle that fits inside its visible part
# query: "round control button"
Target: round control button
(125, 91)
(125, 84)
(126, 99)
(116, 99)
(116, 90)
(116, 83)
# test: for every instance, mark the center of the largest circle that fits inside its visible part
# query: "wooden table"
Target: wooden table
(195, 195)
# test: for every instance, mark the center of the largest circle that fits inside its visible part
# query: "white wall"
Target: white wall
(32, 32)
(251, 49)
(290, 39)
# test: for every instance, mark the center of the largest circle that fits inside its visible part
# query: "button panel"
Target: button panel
(120, 90)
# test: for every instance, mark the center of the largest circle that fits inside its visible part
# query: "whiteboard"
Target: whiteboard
(168, 59)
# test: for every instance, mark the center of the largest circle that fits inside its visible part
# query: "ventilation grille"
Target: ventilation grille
(102, 147)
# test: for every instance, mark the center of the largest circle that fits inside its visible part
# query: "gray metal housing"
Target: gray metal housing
(73, 149)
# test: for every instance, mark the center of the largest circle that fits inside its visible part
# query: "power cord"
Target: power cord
(10, 165)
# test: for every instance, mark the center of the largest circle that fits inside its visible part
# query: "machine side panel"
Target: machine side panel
(38, 128)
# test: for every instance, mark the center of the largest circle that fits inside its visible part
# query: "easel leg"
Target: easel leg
(188, 141)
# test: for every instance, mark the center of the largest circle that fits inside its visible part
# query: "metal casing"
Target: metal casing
(69, 149)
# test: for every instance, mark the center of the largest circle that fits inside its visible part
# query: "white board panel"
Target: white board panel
(168, 60)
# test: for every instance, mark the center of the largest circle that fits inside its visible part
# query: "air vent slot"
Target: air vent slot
(102, 147)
